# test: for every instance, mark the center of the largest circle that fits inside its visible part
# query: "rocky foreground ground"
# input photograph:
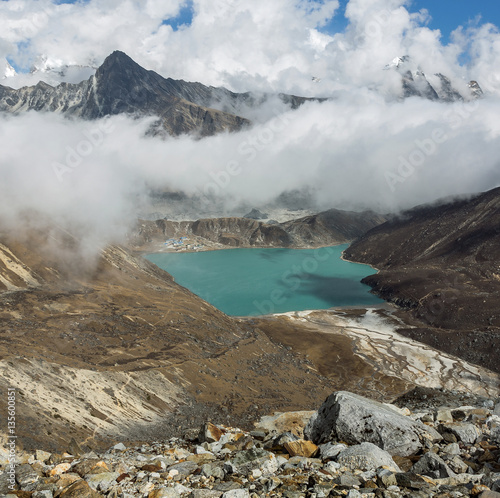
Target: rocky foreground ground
(351, 446)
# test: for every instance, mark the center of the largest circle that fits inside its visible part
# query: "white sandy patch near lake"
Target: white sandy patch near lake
(375, 340)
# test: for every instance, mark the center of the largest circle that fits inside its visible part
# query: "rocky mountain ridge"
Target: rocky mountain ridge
(330, 227)
(431, 450)
(120, 85)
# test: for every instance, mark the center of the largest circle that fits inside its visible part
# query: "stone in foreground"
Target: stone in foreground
(293, 422)
(366, 456)
(432, 465)
(353, 419)
(301, 448)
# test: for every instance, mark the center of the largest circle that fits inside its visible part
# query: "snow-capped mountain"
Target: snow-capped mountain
(50, 71)
(6, 70)
(432, 87)
(54, 72)
(121, 86)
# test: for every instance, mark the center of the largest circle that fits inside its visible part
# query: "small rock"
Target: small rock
(301, 448)
(90, 466)
(272, 483)
(404, 463)
(293, 422)
(164, 492)
(60, 469)
(366, 456)
(348, 480)
(411, 480)
(102, 481)
(433, 466)
(236, 493)
(458, 465)
(210, 470)
(246, 461)
(210, 433)
(119, 447)
(205, 493)
(278, 443)
(489, 494)
(477, 489)
(259, 435)
(467, 433)
(25, 475)
(65, 480)
(42, 456)
(448, 437)
(452, 449)
(332, 467)
(353, 493)
(386, 478)
(79, 489)
(227, 486)
(331, 450)
(45, 493)
(184, 468)
(444, 416)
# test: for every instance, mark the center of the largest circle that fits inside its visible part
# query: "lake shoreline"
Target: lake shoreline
(261, 281)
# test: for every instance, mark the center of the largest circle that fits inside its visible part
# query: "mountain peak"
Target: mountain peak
(119, 60)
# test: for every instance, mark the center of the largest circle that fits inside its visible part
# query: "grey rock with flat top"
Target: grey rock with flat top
(467, 433)
(366, 456)
(331, 450)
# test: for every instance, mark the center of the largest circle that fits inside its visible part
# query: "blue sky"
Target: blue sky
(184, 18)
(446, 15)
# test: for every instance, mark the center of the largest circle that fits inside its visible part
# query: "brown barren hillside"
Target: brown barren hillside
(110, 347)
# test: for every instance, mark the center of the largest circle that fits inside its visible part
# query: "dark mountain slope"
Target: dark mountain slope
(442, 263)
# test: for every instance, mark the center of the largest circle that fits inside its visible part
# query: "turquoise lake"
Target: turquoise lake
(250, 282)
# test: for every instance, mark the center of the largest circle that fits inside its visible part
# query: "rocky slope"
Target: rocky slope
(122, 86)
(327, 228)
(444, 451)
(441, 263)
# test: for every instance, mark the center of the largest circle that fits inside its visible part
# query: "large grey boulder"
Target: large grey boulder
(353, 419)
(366, 456)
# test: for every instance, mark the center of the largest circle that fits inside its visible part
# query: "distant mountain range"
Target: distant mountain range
(121, 86)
